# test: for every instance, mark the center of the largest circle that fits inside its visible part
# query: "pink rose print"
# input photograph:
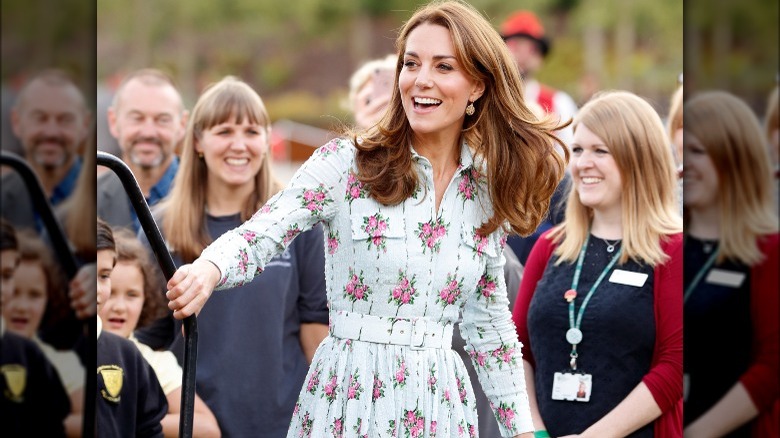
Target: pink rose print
(487, 288)
(479, 359)
(433, 427)
(472, 430)
(296, 408)
(249, 236)
(467, 187)
(315, 200)
(354, 188)
(355, 389)
(265, 209)
(461, 390)
(327, 149)
(379, 389)
(292, 232)
(337, 428)
(403, 292)
(506, 414)
(414, 423)
(306, 426)
(480, 243)
(314, 380)
(431, 234)
(451, 291)
(329, 392)
(504, 354)
(375, 226)
(356, 289)
(502, 241)
(243, 261)
(432, 379)
(401, 374)
(446, 397)
(333, 242)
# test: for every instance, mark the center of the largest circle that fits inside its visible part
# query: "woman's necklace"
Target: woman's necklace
(610, 245)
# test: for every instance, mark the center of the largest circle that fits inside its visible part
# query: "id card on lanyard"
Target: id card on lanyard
(571, 384)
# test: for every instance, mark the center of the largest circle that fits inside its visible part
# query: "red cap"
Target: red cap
(525, 24)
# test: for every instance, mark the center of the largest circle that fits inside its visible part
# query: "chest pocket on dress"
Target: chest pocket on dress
(375, 224)
(477, 246)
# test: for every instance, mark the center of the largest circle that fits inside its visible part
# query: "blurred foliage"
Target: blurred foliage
(289, 49)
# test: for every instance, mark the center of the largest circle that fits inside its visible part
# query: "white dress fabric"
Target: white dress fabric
(407, 263)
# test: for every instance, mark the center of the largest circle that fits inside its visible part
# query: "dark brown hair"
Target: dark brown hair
(130, 250)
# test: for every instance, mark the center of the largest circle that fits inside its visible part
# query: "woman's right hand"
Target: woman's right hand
(190, 287)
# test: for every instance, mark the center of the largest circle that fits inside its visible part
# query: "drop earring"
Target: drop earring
(470, 109)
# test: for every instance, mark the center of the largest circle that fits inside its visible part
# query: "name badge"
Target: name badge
(572, 387)
(722, 277)
(628, 278)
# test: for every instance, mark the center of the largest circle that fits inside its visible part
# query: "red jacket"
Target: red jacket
(664, 380)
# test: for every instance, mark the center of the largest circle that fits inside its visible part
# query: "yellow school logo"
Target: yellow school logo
(16, 380)
(112, 380)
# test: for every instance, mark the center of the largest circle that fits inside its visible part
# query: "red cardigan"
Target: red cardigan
(761, 378)
(664, 380)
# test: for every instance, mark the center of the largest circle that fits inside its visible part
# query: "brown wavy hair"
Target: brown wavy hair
(183, 211)
(130, 250)
(32, 249)
(522, 167)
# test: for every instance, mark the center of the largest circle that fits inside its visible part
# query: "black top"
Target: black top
(139, 406)
(618, 338)
(717, 333)
(34, 402)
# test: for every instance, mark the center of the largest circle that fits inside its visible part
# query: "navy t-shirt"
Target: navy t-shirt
(618, 338)
(251, 367)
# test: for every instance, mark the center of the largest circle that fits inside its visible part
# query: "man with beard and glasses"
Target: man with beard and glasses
(147, 117)
(51, 120)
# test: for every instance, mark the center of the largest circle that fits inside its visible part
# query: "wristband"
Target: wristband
(541, 434)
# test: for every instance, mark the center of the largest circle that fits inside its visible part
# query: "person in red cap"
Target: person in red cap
(525, 37)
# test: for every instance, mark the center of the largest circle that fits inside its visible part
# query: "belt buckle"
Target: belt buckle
(417, 340)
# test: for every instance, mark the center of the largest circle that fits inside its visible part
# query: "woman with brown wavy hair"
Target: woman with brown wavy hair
(415, 213)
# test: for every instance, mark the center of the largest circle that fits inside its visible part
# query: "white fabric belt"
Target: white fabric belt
(417, 333)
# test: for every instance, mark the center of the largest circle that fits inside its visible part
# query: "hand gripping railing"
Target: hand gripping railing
(169, 268)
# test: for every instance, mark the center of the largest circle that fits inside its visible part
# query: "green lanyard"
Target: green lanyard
(574, 334)
(697, 279)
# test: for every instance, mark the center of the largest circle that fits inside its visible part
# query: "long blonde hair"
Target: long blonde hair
(523, 168)
(732, 136)
(183, 211)
(635, 136)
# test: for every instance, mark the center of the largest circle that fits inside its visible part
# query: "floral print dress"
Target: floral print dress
(400, 262)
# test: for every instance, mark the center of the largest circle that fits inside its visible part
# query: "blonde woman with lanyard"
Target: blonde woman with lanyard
(600, 303)
(731, 277)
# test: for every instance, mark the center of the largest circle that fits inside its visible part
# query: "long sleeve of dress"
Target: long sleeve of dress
(309, 199)
(491, 342)
(532, 273)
